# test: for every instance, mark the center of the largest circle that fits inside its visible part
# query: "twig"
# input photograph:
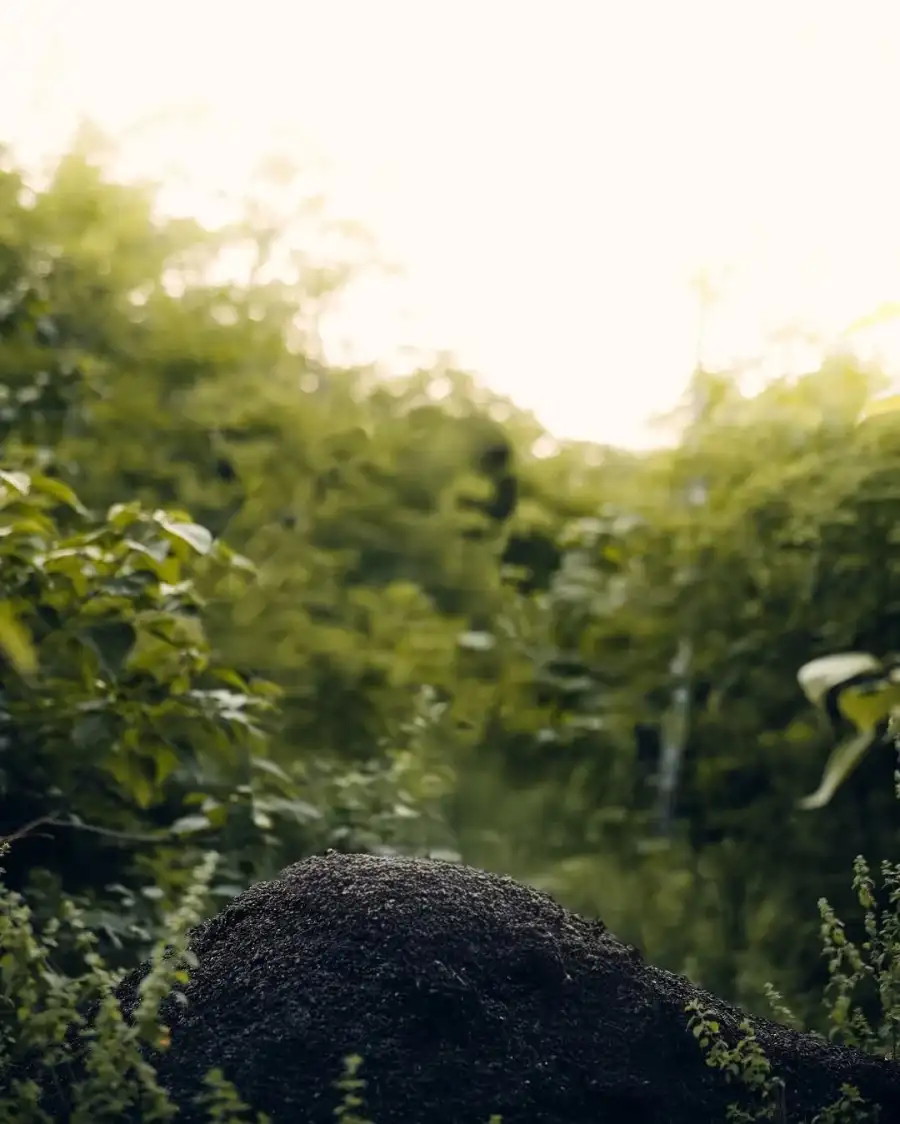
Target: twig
(77, 825)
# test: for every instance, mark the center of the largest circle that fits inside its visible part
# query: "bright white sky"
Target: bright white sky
(549, 173)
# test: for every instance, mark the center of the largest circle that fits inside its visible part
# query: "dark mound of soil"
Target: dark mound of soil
(465, 994)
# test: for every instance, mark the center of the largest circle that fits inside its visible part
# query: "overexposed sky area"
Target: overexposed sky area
(549, 173)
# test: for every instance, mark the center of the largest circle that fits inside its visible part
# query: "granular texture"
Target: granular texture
(465, 994)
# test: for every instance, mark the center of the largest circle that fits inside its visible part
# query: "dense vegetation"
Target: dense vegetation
(256, 604)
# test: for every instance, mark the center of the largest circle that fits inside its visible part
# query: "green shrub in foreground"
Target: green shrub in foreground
(43, 1028)
(46, 1041)
(871, 966)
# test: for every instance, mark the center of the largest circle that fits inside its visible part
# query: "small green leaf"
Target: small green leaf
(476, 641)
(239, 562)
(188, 825)
(123, 514)
(58, 491)
(196, 537)
(157, 550)
(267, 766)
(404, 812)
(18, 481)
(223, 553)
(843, 760)
(33, 525)
(15, 641)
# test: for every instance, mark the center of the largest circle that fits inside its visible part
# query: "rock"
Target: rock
(466, 994)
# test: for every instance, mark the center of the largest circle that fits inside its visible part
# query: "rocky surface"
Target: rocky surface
(466, 994)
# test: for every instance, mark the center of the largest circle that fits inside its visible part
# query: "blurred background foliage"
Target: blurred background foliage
(426, 633)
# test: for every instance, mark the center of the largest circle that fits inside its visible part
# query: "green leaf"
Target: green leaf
(59, 491)
(18, 481)
(196, 537)
(15, 641)
(113, 641)
(267, 766)
(162, 643)
(74, 565)
(224, 554)
(157, 550)
(35, 524)
(840, 765)
(189, 825)
(476, 641)
(122, 515)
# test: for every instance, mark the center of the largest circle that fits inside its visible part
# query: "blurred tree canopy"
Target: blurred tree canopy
(421, 635)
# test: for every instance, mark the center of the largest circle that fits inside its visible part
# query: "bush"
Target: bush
(862, 1002)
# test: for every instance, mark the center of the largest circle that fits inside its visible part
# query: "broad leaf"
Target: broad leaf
(843, 760)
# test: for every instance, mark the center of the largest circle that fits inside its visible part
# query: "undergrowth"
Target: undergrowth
(50, 1048)
(101, 1065)
(868, 968)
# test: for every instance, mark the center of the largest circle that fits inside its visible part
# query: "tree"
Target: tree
(468, 636)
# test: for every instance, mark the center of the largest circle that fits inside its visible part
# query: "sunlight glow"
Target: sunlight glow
(549, 175)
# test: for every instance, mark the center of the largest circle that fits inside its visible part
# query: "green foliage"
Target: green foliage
(108, 653)
(444, 639)
(793, 556)
(352, 1087)
(870, 966)
(860, 977)
(117, 718)
(113, 706)
(46, 1040)
(746, 1063)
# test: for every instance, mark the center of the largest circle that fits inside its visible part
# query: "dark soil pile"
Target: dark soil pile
(466, 994)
